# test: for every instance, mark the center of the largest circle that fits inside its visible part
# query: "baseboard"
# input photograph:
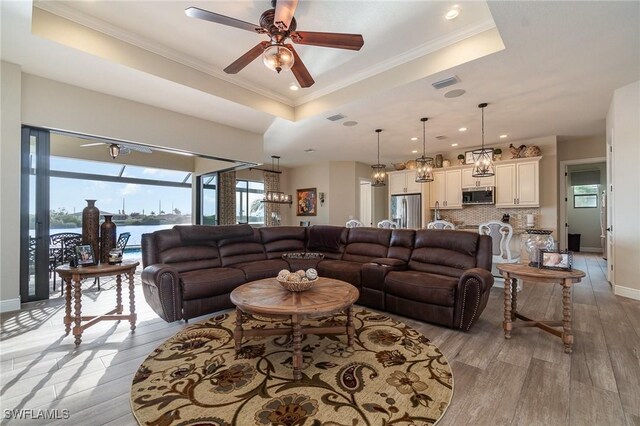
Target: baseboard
(591, 249)
(631, 293)
(9, 305)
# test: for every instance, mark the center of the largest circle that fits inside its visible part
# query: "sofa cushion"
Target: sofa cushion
(329, 240)
(401, 244)
(283, 239)
(341, 270)
(210, 282)
(365, 244)
(242, 249)
(444, 252)
(422, 287)
(260, 269)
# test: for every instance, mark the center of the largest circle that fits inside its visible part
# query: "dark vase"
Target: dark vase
(439, 161)
(107, 238)
(91, 227)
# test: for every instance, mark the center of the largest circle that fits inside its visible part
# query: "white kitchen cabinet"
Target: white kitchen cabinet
(404, 182)
(468, 181)
(446, 189)
(518, 184)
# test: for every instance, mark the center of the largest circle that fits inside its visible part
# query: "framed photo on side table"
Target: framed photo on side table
(85, 255)
(558, 260)
(307, 202)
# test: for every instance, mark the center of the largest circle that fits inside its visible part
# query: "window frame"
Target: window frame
(595, 195)
(244, 196)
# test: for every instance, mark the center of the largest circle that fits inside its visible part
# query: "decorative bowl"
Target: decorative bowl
(296, 286)
(399, 166)
(411, 164)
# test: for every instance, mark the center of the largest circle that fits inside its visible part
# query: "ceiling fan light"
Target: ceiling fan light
(278, 58)
(114, 150)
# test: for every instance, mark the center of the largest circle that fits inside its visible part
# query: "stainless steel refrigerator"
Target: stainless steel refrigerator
(406, 211)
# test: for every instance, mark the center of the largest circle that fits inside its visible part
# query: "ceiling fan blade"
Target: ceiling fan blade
(336, 40)
(284, 12)
(299, 71)
(247, 58)
(93, 144)
(196, 12)
(138, 148)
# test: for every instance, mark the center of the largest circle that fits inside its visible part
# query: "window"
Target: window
(249, 208)
(585, 196)
(209, 199)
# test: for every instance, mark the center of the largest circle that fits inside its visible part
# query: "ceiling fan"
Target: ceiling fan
(280, 25)
(116, 149)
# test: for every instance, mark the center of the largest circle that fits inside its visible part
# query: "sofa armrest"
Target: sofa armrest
(472, 297)
(161, 287)
(396, 264)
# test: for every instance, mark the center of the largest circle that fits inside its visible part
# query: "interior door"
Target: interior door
(609, 195)
(34, 215)
(365, 203)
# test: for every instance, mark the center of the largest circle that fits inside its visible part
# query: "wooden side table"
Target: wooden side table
(513, 271)
(268, 298)
(76, 275)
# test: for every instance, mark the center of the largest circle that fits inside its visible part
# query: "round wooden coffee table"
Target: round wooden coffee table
(268, 298)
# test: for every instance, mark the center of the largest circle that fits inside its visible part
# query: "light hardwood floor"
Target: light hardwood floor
(527, 380)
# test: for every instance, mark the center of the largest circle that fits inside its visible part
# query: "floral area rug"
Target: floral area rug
(391, 375)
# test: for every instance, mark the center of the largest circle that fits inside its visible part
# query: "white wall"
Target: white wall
(50, 104)
(586, 221)
(623, 127)
(10, 77)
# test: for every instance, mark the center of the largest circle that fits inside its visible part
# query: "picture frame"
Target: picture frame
(468, 157)
(85, 255)
(559, 260)
(307, 202)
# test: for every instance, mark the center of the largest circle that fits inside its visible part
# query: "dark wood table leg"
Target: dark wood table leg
(132, 302)
(297, 347)
(350, 327)
(514, 298)
(237, 332)
(67, 304)
(567, 336)
(77, 293)
(507, 307)
(118, 294)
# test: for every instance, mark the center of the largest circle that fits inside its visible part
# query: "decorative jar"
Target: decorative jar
(538, 239)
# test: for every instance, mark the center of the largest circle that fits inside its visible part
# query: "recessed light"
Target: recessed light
(414, 138)
(415, 151)
(462, 129)
(455, 93)
(350, 123)
(293, 87)
(453, 13)
(503, 136)
(454, 144)
(309, 150)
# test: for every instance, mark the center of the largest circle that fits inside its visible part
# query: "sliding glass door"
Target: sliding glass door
(34, 215)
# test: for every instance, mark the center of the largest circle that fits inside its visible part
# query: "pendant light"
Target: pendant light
(424, 164)
(379, 172)
(483, 157)
(276, 197)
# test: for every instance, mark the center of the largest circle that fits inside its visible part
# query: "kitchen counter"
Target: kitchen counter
(474, 228)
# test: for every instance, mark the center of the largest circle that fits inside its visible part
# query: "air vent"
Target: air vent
(446, 82)
(336, 117)
(441, 137)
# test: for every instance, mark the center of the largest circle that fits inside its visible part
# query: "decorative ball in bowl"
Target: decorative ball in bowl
(297, 281)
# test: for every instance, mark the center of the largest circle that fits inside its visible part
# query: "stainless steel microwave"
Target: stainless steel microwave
(484, 195)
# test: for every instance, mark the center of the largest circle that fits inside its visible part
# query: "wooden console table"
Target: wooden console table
(513, 271)
(69, 274)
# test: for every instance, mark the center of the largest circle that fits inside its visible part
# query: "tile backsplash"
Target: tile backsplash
(475, 215)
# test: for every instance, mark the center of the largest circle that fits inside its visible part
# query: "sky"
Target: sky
(71, 194)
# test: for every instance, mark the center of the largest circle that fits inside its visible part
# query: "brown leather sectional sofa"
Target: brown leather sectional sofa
(437, 276)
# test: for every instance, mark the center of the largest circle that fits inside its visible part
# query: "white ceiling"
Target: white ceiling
(556, 75)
